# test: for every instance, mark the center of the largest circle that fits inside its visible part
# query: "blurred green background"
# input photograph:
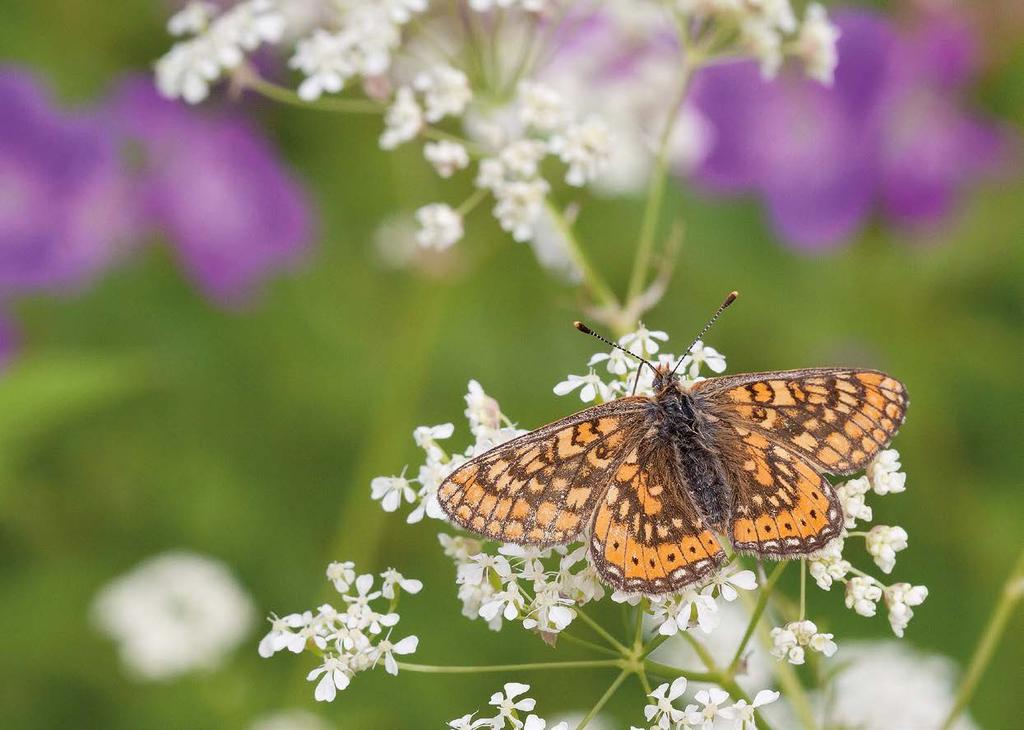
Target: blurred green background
(141, 418)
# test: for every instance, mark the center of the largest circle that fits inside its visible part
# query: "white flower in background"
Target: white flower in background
(789, 641)
(393, 578)
(541, 108)
(851, 495)
(191, 19)
(756, 665)
(884, 473)
(643, 341)
(672, 612)
(886, 685)
(322, 59)
(883, 542)
(440, 226)
(862, 595)
(899, 598)
(727, 583)
(710, 701)
(389, 491)
(426, 437)
(386, 650)
(290, 720)
(662, 714)
(445, 92)
(590, 385)
(346, 641)
(816, 44)
(828, 565)
(219, 44)
(507, 703)
(702, 355)
(342, 575)
(585, 148)
(174, 613)
(446, 157)
(742, 713)
(402, 121)
(618, 362)
(537, 723)
(521, 158)
(519, 205)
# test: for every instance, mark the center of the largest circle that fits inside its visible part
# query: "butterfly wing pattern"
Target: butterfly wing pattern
(542, 488)
(647, 535)
(623, 471)
(784, 430)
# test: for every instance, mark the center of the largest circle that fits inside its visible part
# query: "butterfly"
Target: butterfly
(656, 482)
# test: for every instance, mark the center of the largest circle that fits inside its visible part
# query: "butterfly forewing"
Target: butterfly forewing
(647, 536)
(838, 419)
(784, 429)
(542, 488)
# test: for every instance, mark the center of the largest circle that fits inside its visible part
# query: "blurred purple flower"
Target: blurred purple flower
(891, 132)
(63, 211)
(216, 189)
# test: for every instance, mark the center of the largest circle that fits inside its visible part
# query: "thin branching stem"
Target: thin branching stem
(602, 632)
(530, 667)
(656, 187)
(612, 688)
(755, 617)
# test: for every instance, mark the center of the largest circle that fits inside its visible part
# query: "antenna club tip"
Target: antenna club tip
(733, 295)
(582, 327)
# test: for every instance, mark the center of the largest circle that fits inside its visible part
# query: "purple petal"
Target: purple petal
(217, 190)
(732, 98)
(63, 200)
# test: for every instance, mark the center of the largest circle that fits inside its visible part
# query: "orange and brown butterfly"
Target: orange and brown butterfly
(657, 482)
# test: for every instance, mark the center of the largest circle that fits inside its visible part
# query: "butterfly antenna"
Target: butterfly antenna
(587, 331)
(725, 305)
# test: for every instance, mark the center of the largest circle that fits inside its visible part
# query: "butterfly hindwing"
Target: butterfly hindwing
(838, 419)
(782, 505)
(647, 536)
(542, 488)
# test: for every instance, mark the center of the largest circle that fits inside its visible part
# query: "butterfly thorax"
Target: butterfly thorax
(689, 435)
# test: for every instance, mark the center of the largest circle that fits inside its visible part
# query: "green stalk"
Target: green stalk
(592, 280)
(604, 699)
(535, 666)
(755, 616)
(656, 189)
(1013, 592)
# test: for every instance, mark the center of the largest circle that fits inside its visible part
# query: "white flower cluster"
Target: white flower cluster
(693, 607)
(513, 148)
(662, 714)
(218, 43)
(174, 613)
(489, 428)
(789, 641)
(539, 588)
(624, 370)
(769, 28)
(882, 542)
(349, 640)
(510, 705)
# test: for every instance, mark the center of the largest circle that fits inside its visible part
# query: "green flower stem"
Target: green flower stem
(591, 278)
(536, 666)
(656, 189)
(653, 644)
(331, 104)
(565, 636)
(666, 671)
(471, 202)
(755, 617)
(604, 699)
(602, 632)
(1013, 592)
